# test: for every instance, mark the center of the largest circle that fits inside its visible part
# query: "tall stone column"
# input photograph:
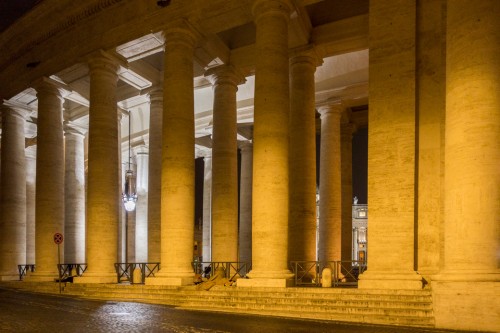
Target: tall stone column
(346, 131)
(141, 210)
(391, 147)
(225, 82)
(207, 208)
(470, 274)
(13, 201)
(270, 176)
(302, 164)
(177, 190)
(154, 179)
(431, 83)
(103, 189)
(74, 187)
(30, 203)
(49, 205)
(330, 189)
(245, 234)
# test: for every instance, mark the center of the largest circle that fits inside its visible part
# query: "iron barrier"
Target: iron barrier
(24, 269)
(344, 272)
(71, 270)
(125, 271)
(233, 269)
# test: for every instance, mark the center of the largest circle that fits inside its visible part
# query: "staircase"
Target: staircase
(389, 307)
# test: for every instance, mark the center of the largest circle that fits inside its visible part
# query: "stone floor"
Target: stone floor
(29, 312)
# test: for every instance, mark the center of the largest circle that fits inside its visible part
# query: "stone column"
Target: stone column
(154, 179)
(13, 200)
(207, 208)
(470, 274)
(103, 189)
(74, 187)
(391, 147)
(270, 176)
(245, 234)
(225, 82)
(177, 190)
(330, 189)
(30, 203)
(302, 164)
(346, 131)
(431, 82)
(49, 206)
(141, 210)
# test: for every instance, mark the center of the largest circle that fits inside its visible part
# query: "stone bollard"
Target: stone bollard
(326, 277)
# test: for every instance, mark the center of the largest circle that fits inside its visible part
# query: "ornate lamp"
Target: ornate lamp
(129, 196)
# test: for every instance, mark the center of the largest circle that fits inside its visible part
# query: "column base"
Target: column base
(267, 279)
(384, 280)
(41, 277)
(96, 278)
(265, 283)
(9, 277)
(171, 279)
(467, 301)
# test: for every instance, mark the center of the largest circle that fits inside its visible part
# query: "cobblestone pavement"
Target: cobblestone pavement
(29, 312)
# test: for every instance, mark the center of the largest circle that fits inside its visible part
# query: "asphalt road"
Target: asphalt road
(28, 312)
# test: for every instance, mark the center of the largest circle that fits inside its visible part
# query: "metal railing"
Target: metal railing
(233, 269)
(125, 271)
(344, 273)
(24, 269)
(71, 270)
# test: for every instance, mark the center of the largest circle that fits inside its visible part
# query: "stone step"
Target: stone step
(394, 307)
(365, 318)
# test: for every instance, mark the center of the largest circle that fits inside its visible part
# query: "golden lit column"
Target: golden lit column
(141, 209)
(74, 187)
(346, 131)
(270, 174)
(330, 190)
(302, 163)
(154, 175)
(49, 192)
(207, 206)
(245, 234)
(177, 180)
(13, 199)
(391, 147)
(225, 80)
(103, 190)
(431, 83)
(471, 274)
(30, 203)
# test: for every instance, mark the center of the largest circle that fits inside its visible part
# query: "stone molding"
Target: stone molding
(224, 74)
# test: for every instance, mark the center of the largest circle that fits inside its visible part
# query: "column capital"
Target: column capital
(155, 95)
(49, 86)
(73, 129)
(336, 108)
(262, 8)
(180, 32)
(104, 62)
(30, 152)
(306, 54)
(245, 146)
(140, 149)
(225, 74)
(15, 111)
(201, 151)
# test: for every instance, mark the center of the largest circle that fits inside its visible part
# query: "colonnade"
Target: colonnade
(281, 202)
